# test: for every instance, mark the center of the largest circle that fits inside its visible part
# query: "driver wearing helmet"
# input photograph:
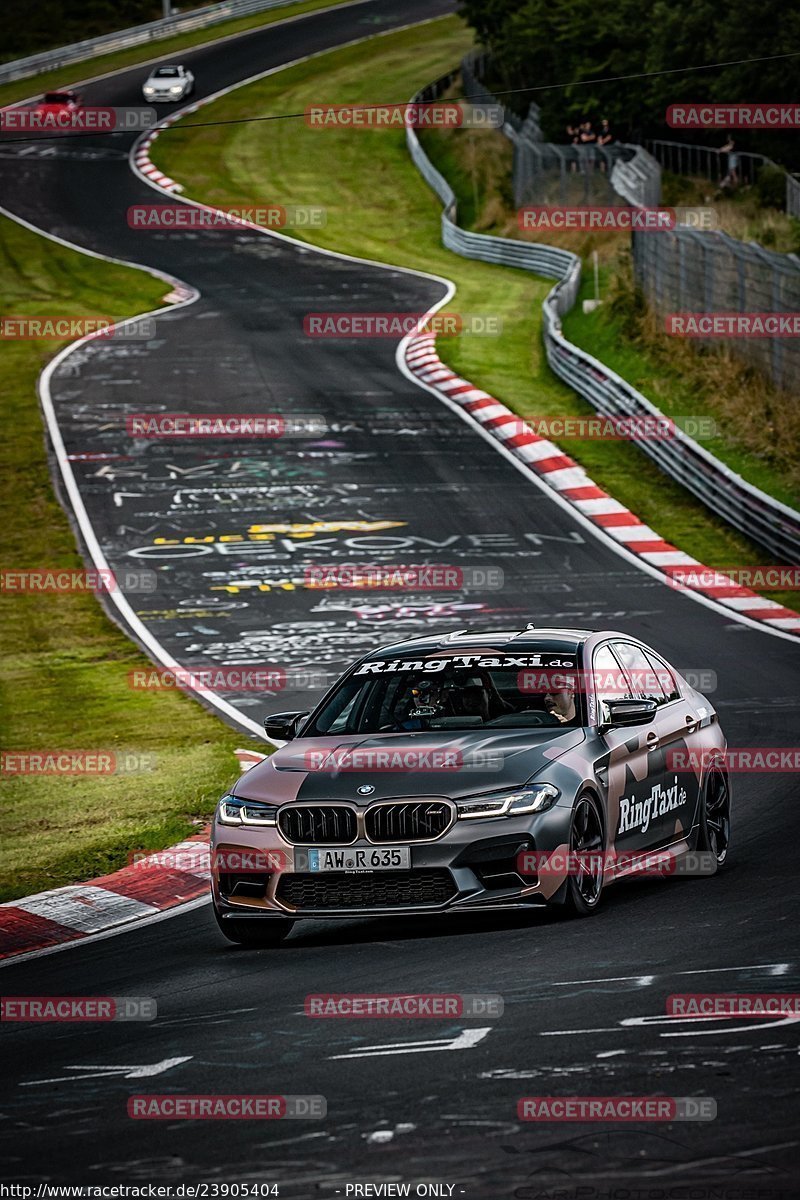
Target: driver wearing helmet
(474, 694)
(459, 693)
(473, 698)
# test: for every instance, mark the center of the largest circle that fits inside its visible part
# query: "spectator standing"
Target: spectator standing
(732, 177)
(605, 136)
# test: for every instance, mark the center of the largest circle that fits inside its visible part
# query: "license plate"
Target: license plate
(360, 858)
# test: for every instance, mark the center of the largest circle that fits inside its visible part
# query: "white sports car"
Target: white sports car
(168, 83)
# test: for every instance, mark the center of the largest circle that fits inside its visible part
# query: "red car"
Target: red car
(58, 103)
(56, 107)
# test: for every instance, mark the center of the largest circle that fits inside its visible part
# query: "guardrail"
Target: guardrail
(638, 179)
(533, 256)
(137, 35)
(759, 516)
(793, 196)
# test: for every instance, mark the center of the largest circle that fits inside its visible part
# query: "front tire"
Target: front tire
(580, 894)
(269, 931)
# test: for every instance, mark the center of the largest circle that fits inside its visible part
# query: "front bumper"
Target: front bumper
(473, 867)
(164, 97)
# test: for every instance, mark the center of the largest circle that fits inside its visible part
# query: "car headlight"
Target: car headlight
(533, 799)
(178, 88)
(148, 91)
(233, 811)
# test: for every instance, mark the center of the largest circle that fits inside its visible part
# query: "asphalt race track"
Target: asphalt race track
(401, 479)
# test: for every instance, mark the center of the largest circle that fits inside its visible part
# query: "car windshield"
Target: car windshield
(166, 72)
(57, 98)
(529, 691)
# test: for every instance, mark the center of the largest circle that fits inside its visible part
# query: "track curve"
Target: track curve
(393, 455)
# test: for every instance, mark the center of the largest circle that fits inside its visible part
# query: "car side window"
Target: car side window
(645, 680)
(610, 681)
(664, 676)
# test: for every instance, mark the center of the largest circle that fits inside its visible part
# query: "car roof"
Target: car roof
(509, 641)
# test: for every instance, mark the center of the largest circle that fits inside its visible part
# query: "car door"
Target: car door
(673, 798)
(679, 731)
(632, 765)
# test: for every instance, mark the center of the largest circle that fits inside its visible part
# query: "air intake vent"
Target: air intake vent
(384, 889)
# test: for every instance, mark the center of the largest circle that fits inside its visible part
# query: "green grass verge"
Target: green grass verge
(379, 207)
(20, 89)
(606, 334)
(65, 664)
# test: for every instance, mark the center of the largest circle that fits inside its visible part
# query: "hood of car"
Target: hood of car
(368, 768)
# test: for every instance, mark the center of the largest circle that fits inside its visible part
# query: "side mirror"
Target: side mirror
(629, 712)
(283, 726)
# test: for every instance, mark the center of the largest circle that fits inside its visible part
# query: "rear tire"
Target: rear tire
(264, 932)
(714, 834)
(579, 895)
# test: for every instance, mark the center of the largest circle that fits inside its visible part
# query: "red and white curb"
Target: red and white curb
(154, 883)
(159, 881)
(571, 482)
(141, 155)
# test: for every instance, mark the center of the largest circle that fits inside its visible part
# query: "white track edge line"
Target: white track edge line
(98, 558)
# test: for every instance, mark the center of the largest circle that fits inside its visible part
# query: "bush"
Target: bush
(771, 187)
